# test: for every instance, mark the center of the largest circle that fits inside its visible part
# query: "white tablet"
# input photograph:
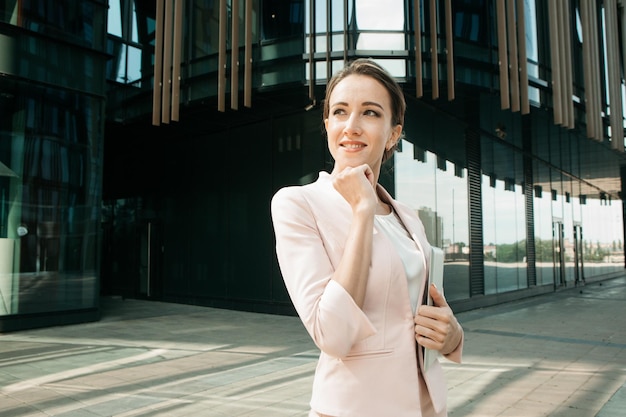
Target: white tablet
(435, 273)
(435, 276)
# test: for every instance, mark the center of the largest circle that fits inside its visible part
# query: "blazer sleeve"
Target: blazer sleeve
(328, 312)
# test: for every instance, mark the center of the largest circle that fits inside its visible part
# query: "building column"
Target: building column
(474, 180)
(528, 186)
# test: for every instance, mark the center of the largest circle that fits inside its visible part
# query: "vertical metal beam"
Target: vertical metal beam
(167, 62)
(593, 101)
(608, 82)
(434, 49)
(177, 46)
(312, 76)
(513, 62)
(19, 12)
(345, 32)
(614, 75)
(523, 57)
(566, 65)
(611, 52)
(589, 110)
(619, 116)
(329, 31)
(247, 75)
(555, 61)
(417, 24)
(594, 97)
(234, 55)
(561, 57)
(596, 73)
(221, 58)
(622, 19)
(503, 60)
(449, 50)
(126, 18)
(158, 65)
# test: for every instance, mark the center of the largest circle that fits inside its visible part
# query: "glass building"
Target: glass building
(142, 140)
(52, 108)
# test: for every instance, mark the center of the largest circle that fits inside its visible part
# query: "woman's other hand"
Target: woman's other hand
(436, 327)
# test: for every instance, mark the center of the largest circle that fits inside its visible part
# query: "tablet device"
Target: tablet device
(435, 276)
(435, 273)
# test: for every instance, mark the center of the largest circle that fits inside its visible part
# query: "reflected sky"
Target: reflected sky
(420, 185)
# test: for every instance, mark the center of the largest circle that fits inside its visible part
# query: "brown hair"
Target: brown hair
(367, 67)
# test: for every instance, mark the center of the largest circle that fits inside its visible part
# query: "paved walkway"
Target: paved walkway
(561, 354)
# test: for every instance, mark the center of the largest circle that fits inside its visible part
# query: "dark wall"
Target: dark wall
(209, 194)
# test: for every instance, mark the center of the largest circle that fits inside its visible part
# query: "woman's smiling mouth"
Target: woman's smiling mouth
(352, 145)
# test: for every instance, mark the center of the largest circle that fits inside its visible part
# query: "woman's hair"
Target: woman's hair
(367, 67)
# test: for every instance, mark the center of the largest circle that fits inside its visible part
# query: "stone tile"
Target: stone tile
(559, 354)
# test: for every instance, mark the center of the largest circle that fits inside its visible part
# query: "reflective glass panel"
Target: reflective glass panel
(439, 196)
(380, 15)
(282, 18)
(50, 176)
(504, 236)
(114, 22)
(602, 236)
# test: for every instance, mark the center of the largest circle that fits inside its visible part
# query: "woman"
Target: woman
(355, 264)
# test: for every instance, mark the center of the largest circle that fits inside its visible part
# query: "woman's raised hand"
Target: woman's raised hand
(356, 185)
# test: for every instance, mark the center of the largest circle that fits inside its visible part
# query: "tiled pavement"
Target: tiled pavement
(562, 354)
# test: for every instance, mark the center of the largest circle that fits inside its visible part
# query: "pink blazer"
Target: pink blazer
(370, 364)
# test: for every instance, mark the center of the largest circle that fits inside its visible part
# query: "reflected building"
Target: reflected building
(52, 106)
(433, 226)
(141, 142)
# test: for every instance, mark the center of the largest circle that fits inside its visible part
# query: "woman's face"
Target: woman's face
(359, 125)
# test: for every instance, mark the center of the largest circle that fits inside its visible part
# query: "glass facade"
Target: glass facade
(601, 237)
(536, 178)
(51, 136)
(437, 190)
(518, 202)
(49, 201)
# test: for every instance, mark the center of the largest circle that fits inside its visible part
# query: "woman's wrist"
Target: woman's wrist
(455, 341)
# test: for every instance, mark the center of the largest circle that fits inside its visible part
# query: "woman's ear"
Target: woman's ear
(395, 137)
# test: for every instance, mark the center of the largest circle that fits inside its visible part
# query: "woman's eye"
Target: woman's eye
(371, 113)
(337, 112)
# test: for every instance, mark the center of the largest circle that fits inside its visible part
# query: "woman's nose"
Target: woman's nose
(352, 126)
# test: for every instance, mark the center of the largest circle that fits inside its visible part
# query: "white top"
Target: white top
(408, 251)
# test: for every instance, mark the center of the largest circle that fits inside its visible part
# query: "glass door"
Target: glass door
(150, 255)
